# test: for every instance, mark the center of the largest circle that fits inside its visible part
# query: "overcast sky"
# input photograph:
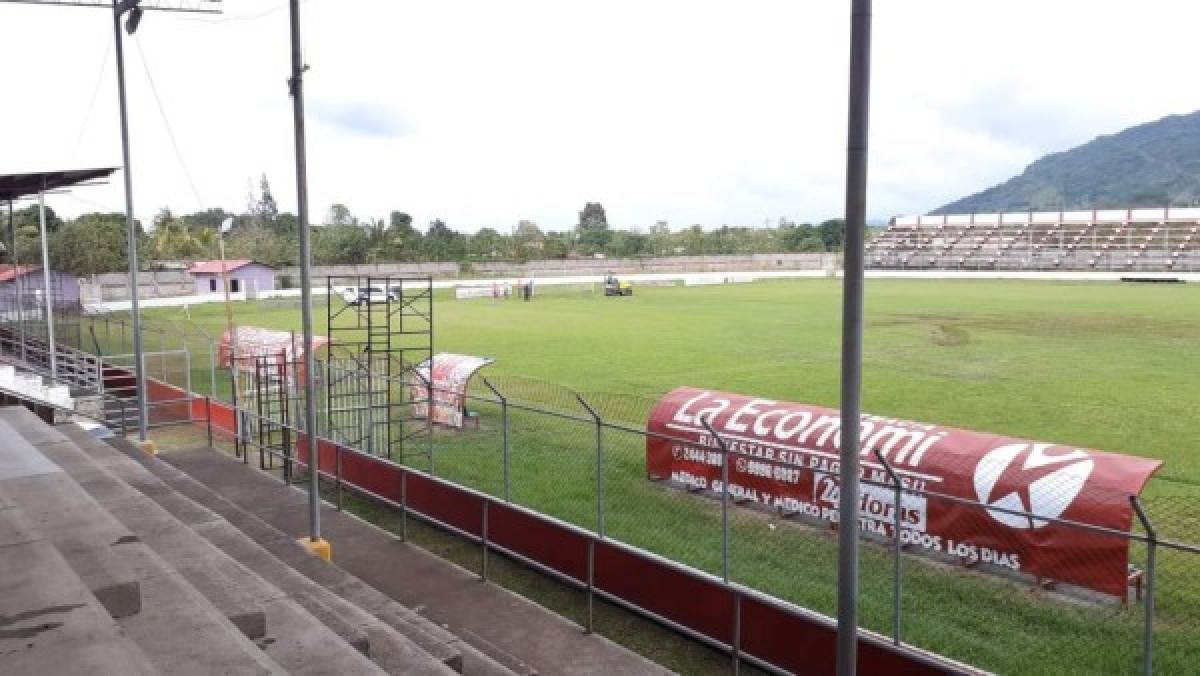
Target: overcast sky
(485, 113)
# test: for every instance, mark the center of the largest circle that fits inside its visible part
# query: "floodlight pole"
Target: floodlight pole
(296, 88)
(852, 321)
(120, 8)
(47, 301)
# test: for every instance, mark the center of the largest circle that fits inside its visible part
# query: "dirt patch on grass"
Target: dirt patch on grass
(949, 335)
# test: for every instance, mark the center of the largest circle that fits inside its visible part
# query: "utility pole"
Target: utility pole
(296, 88)
(852, 328)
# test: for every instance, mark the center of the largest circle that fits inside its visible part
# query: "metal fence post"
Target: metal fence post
(503, 437)
(896, 546)
(599, 463)
(724, 499)
(1148, 628)
(208, 419)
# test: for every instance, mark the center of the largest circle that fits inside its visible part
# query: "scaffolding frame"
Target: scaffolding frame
(381, 331)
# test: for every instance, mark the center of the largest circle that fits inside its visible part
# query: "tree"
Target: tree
(340, 245)
(832, 233)
(486, 244)
(594, 234)
(265, 209)
(440, 243)
(90, 245)
(339, 214)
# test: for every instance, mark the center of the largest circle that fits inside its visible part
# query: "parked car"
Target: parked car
(357, 295)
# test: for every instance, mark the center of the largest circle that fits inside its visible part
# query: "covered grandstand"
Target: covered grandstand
(1166, 239)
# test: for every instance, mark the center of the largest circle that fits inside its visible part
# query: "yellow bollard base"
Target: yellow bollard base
(319, 548)
(148, 447)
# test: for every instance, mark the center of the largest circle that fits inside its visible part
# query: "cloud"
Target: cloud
(486, 113)
(367, 119)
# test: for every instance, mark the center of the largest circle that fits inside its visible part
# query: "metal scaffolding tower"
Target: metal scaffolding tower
(381, 330)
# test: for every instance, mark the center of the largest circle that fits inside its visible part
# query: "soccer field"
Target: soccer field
(1098, 365)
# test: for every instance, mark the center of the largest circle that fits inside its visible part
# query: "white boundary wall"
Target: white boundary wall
(689, 279)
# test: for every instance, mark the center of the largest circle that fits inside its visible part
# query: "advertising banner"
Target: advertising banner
(450, 376)
(1003, 494)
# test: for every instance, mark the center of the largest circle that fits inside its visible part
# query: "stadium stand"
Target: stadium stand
(108, 569)
(1150, 240)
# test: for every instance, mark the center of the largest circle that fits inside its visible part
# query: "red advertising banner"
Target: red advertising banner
(450, 376)
(785, 456)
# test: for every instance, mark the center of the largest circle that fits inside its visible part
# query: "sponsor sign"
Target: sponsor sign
(497, 290)
(1002, 495)
(450, 376)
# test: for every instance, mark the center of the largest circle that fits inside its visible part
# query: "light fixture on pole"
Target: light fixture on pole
(134, 8)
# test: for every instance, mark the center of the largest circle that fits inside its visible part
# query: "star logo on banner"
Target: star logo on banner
(1041, 480)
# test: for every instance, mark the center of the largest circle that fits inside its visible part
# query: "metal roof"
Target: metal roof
(16, 186)
(214, 267)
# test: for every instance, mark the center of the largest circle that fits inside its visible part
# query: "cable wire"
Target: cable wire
(167, 123)
(92, 103)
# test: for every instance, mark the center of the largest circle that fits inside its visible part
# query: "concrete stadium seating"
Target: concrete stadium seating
(107, 568)
(1118, 240)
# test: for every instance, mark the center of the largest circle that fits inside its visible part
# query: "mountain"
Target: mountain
(1151, 165)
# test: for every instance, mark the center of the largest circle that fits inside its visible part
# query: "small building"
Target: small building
(29, 284)
(244, 275)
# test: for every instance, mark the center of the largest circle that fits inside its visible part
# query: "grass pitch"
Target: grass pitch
(1107, 366)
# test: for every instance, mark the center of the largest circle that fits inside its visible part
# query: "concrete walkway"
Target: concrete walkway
(487, 616)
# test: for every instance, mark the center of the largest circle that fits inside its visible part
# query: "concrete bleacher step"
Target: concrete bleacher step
(49, 621)
(330, 580)
(292, 641)
(175, 628)
(392, 651)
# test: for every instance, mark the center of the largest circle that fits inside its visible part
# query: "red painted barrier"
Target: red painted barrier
(789, 639)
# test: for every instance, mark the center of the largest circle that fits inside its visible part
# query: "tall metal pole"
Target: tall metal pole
(47, 301)
(852, 320)
(138, 366)
(296, 85)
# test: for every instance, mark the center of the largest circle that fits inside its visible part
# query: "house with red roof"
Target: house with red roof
(244, 276)
(28, 283)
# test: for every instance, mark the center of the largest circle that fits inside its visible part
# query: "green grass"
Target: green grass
(1107, 366)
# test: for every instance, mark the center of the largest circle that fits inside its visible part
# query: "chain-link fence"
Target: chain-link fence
(583, 459)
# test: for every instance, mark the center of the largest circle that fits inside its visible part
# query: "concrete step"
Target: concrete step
(176, 629)
(88, 538)
(49, 621)
(297, 642)
(468, 657)
(473, 657)
(388, 648)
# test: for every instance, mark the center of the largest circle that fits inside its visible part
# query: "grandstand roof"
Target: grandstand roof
(16, 186)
